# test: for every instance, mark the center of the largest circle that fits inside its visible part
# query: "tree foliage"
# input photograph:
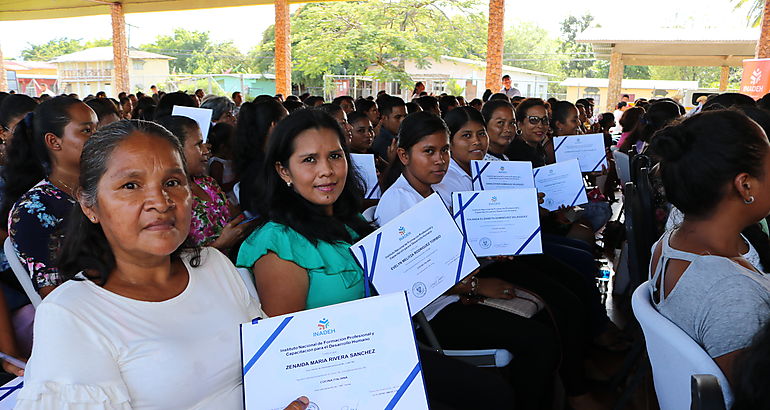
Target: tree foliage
(530, 46)
(196, 53)
(754, 17)
(578, 62)
(59, 47)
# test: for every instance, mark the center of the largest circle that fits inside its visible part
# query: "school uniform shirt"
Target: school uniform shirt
(394, 201)
(95, 349)
(455, 180)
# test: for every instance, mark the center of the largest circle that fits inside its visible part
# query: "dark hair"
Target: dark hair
(658, 115)
(362, 104)
(428, 103)
(291, 98)
(630, 118)
(234, 94)
(412, 107)
(475, 101)
(179, 126)
(103, 107)
(293, 105)
(764, 102)
(329, 108)
(506, 76)
(13, 106)
(340, 99)
(416, 86)
(144, 109)
(606, 119)
(490, 107)
(486, 95)
(460, 116)
(28, 161)
(524, 106)
(559, 112)
(357, 115)
(313, 100)
(499, 96)
(388, 102)
(254, 122)
(413, 129)
(445, 102)
(85, 247)
(727, 100)
(220, 136)
(621, 105)
(703, 153)
(166, 104)
(277, 202)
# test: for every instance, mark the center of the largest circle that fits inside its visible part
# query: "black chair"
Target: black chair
(706, 393)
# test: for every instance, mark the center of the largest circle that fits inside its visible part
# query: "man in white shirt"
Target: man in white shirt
(508, 89)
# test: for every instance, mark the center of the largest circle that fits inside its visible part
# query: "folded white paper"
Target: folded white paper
(501, 175)
(587, 149)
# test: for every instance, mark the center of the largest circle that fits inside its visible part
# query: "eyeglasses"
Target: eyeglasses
(533, 119)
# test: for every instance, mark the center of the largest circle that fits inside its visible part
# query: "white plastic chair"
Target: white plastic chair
(21, 273)
(674, 356)
(622, 166)
(369, 213)
(248, 279)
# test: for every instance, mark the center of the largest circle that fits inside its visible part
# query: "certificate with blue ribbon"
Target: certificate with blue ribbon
(562, 184)
(421, 252)
(354, 355)
(9, 392)
(499, 222)
(588, 149)
(501, 175)
(364, 164)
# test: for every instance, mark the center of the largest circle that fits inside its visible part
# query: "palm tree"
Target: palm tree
(755, 11)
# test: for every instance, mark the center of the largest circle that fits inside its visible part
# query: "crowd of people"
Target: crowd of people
(131, 227)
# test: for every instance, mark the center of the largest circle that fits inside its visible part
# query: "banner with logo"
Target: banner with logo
(756, 77)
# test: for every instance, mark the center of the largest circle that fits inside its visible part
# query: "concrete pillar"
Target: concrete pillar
(616, 79)
(3, 80)
(495, 45)
(120, 60)
(724, 78)
(763, 46)
(282, 48)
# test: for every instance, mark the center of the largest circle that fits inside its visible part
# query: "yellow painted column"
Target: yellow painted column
(282, 48)
(724, 78)
(3, 80)
(495, 44)
(120, 78)
(616, 80)
(763, 46)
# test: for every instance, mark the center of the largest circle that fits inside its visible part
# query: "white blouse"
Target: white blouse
(455, 180)
(95, 349)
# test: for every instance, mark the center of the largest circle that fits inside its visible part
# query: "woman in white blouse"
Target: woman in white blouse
(146, 322)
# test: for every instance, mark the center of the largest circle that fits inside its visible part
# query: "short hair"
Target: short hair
(219, 106)
(388, 103)
(524, 106)
(506, 77)
(234, 94)
(362, 104)
(341, 98)
(103, 107)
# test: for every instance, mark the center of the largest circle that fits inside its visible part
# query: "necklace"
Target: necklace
(69, 190)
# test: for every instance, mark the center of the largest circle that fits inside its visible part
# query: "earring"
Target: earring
(93, 219)
(749, 201)
(288, 184)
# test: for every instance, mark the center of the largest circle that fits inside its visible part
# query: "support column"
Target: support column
(616, 80)
(120, 79)
(3, 80)
(495, 44)
(724, 78)
(763, 45)
(282, 48)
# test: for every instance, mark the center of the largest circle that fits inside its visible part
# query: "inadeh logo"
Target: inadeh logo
(324, 328)
(402, 233)
(756, 76)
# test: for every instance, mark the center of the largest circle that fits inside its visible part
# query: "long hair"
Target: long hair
(85, 247)
(277, 202)
(251, 132)
(413, 129)
(460, 116)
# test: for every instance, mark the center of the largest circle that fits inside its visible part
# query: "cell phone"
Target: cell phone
(247, 220)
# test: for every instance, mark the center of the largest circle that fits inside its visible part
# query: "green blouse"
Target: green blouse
(334, 276)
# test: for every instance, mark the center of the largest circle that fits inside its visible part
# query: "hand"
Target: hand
(499, 258)
(392, 150)
(299, 404)
(495, 288)
(540, 197)
(12, 369)
(232, 233)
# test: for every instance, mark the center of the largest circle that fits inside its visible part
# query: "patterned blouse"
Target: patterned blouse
(36, 229)
(210, 215)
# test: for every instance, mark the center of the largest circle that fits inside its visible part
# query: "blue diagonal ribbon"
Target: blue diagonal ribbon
(560, 143)
(461, 214)
(478, 174)
(597, 165)
(11, 389)
(582, 188)
(401, 390)
(524, 245)
(265, 345)
(536, 171)
(369, 274)
(374, 188)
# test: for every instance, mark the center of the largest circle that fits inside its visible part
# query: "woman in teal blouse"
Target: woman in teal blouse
(309, 203)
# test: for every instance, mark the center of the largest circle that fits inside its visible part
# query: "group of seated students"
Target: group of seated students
(131, 227)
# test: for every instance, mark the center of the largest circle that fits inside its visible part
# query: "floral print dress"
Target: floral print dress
(209, 215)
(36, 229)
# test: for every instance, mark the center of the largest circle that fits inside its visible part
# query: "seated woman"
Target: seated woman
(362, 134)
(715, 167)
(41, 176)
(127, 330)
(211, 223)
(299, 255)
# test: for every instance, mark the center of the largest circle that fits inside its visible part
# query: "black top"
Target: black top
(519, 150)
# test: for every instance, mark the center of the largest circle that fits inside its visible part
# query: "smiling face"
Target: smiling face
(427, 161)
(570, 124)
(195, 152)
(143, 200)
(501, 129)
(469, 143)
(362, 136)
(534, 125)
(317, 168)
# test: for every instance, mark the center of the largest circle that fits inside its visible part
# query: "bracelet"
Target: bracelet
(474, 285)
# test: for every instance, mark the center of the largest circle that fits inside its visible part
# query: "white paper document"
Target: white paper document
(355, 355)
(9, 392)
(499, 222)
(201, 115)
(587, 149)
(562, 184)
(501, 175)
(364, 164)
(420, 251)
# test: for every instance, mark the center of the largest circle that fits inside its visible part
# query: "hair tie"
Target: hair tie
(28, 119)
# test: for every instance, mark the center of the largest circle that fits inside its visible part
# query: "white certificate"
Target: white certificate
(354, 355)
(9, 392)
(420, 251)
(587, 149)
(562, 184)
(201, 115)
(499, 222)
(364, 164)
(501, 175)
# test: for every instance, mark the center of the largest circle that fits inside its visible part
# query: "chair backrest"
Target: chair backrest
(21, 273)
(622, 166)
(369, 213)
(674, 356)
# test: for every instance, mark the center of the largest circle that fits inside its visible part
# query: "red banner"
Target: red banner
(756, 77)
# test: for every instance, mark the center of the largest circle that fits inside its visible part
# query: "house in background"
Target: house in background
(90, 71)
(250, 85)
(596, 88)
(30, 77)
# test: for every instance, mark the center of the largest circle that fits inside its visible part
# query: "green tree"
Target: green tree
(530, 46)
(195, 53)
(579, 57)
(706, 76)
(636, 72)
